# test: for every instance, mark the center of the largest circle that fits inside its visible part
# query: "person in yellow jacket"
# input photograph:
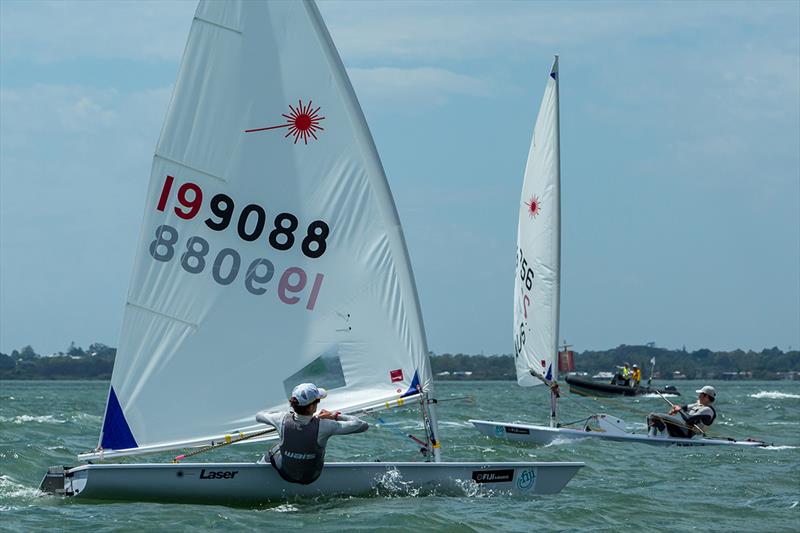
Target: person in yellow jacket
(623, 376)
(626, 371)
(637, 375)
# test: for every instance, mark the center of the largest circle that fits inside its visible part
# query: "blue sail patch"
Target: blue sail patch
(414, 385)
(116, 432)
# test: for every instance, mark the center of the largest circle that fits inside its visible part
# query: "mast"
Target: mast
(557, 297)
(435, 443)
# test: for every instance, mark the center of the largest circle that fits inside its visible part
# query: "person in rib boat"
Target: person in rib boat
(637, 375)
(300, 453)
(623, 376)
(694, 418)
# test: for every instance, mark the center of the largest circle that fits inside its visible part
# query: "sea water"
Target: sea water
(623, 486)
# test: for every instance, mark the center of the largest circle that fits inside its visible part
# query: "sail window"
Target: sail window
(325, 371)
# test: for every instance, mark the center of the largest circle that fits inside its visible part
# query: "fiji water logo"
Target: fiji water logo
(302, 122)
(526, 479)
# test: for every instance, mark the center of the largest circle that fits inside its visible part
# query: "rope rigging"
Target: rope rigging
(617, 404)
(241, 437)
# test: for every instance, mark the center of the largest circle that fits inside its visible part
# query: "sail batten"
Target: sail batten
(162, 315)
(537, 280)
(190, 167)
(218, 25)
(271, 252)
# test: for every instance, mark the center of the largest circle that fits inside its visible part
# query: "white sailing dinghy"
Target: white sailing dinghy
(537, 295)
(271, 254)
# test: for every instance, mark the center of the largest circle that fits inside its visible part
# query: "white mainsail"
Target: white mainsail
(271, 252)
(536, 287)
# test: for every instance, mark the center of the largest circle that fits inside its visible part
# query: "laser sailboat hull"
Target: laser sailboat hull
(255, 483)
(540, 435)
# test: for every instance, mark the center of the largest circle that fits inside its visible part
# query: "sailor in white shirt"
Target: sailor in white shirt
(686, 420)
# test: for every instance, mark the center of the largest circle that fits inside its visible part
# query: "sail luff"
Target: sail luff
(537, 280)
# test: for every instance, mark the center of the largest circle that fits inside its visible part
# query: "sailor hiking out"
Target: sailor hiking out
(300, 453)
(694, 418)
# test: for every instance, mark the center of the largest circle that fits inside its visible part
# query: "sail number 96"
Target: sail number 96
(251, 222)
(227, 264)
(525, 272)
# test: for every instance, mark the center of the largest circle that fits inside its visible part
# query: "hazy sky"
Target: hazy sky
(680, 161)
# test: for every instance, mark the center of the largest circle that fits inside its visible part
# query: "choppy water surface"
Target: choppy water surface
(624, 486)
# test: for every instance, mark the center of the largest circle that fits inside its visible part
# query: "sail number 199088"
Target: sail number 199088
(226, 264)
(251, 221)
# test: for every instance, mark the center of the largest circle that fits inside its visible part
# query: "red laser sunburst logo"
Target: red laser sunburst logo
(533, 206)
(302, 121)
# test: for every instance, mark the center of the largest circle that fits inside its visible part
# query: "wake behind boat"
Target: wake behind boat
(271, 254)
(537, 298)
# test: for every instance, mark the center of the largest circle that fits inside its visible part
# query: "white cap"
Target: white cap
(708, 390)
(308, 393)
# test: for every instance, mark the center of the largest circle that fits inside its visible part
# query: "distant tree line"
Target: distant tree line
(473, 367)
(97, 361)
(770, 363)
